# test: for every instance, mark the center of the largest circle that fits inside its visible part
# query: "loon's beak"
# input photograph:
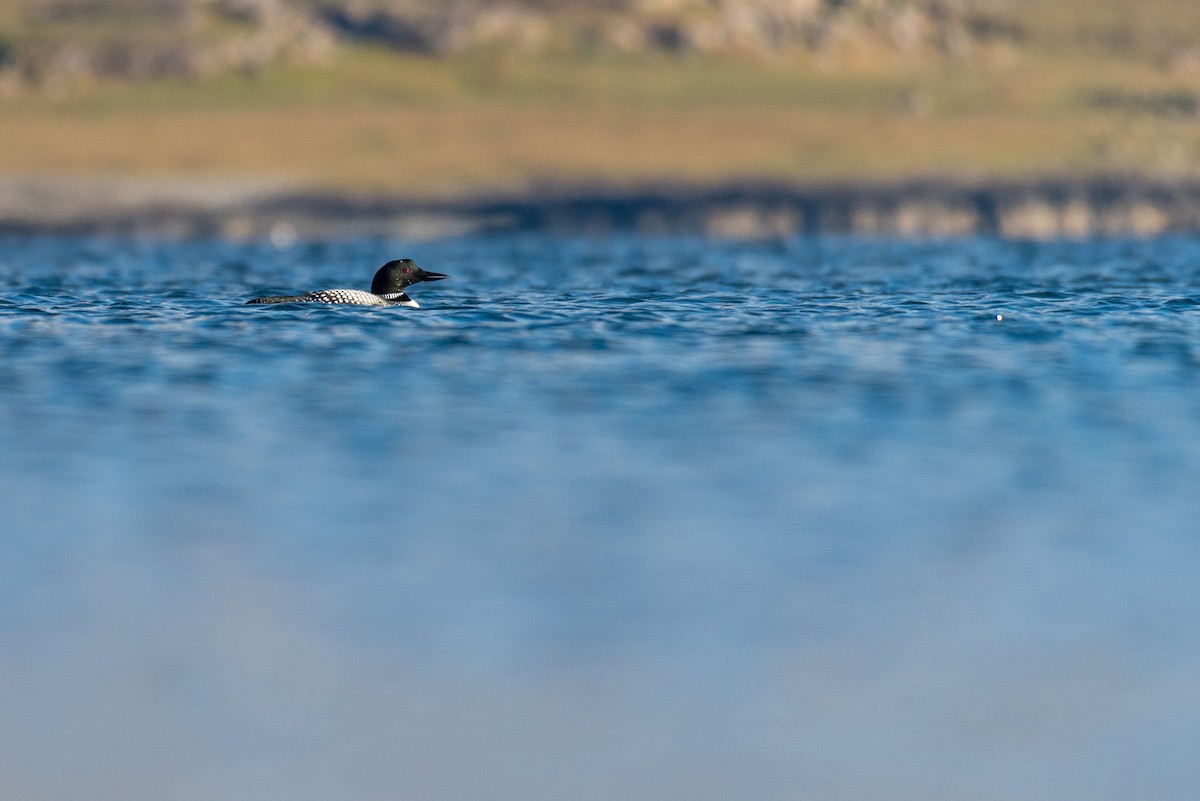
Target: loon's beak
(425, 275)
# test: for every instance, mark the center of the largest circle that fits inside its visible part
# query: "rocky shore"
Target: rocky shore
(1038, 208)
(56, 44)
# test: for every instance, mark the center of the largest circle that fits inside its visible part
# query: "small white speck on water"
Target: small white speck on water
(999, 318)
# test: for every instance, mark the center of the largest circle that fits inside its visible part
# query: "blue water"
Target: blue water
(632, 518)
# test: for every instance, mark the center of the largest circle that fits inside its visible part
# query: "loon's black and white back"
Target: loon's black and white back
(387, 288)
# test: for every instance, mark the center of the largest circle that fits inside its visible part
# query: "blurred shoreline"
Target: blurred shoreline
(250, 208)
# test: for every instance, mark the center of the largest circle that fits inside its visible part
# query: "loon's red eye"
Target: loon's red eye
(406, 271)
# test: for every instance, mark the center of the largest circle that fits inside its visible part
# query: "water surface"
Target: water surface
(632, 518)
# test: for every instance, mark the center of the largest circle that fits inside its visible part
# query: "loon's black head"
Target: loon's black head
(396, 275)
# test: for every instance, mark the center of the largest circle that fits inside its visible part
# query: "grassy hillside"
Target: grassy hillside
(1088, 87)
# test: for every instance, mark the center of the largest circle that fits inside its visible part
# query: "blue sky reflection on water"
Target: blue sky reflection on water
(635, 518)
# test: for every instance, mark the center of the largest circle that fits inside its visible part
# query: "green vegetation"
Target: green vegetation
(1094, 86)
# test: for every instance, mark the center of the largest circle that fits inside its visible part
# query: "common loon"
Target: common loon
(387, 288)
